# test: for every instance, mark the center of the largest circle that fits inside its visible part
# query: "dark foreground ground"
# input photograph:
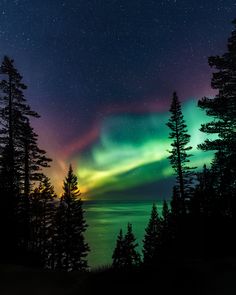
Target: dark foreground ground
(218, 277)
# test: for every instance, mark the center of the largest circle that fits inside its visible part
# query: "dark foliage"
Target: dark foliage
(194, 231)
(222, 110)
(21, 160)
(71, 248)
(151, 242)
(42, 222)
(179, 156)
(125, 254)
(118, 254)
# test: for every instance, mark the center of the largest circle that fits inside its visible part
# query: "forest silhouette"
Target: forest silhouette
(195, 229)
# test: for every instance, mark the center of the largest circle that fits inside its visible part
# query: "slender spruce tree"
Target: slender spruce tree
(151, 241)
(179, 156)
(131, 255)
(71, 226)
(15, 113)
(118, 253)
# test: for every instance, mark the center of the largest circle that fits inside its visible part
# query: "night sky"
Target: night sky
(102, 73)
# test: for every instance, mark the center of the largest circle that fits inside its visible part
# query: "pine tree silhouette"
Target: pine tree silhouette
(33, 159)
(151, 242)
(222, 110)
(17, 149)
(71, 227)
(131, 255)
(179, 156)
(118, 254)
(125, 254)
(217, 197)
(43, 209)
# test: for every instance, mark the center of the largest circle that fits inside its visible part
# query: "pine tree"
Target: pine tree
(33, 160)
(71, 227)
(14, 160)
(43, 202)
(179, 156)
(222, 109)
(131, 255)
(12, 104)
(151, 241)
(118, 253)
(14, 116)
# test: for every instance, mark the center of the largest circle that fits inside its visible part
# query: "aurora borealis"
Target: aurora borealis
(132, 151)
(102, 73)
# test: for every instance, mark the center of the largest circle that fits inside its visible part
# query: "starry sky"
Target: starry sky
(102, 72)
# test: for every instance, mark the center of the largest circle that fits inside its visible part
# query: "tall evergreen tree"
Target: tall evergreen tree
(118, 253)
(12, 105)
(131, 255)
(43, 209)
(14, 115)
(151, 241)
(71, 227)
(33, 160)
(14, 160)
(179, 156)
(222, 109)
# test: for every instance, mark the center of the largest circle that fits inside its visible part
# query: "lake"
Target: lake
(105, 218)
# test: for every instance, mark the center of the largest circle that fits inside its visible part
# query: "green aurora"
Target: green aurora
(132, 152)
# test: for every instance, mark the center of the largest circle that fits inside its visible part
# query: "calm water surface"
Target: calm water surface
(105, 218)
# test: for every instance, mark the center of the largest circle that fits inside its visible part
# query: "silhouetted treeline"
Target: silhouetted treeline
(34, 226)
(201, 220)
(125, 254)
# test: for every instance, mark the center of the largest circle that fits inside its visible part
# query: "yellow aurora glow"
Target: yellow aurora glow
(132, 150)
